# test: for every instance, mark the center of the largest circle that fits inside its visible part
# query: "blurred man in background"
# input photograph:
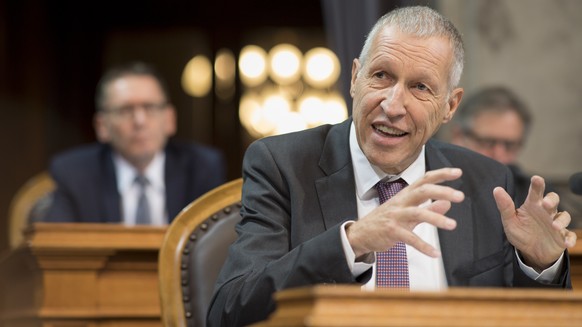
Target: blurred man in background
(134, 175)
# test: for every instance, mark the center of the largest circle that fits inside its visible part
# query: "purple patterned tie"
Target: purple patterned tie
(391, 265)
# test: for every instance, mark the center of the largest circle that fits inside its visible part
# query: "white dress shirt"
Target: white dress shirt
(130, 191)
(425, 273)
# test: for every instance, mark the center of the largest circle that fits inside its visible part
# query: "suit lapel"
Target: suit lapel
(456, 245)
(111, 198)
(336, 190)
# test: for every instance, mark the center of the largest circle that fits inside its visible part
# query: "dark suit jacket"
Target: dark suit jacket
(299, 188)
(87, 187)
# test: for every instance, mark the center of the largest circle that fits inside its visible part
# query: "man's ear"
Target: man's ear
(453, 103)
(355, 70)
(101, 130)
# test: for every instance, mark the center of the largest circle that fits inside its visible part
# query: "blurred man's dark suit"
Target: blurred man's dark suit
(87, 187)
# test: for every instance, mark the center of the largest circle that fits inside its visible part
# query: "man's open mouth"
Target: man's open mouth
(389, 131)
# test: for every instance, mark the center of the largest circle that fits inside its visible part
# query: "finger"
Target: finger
(561, 220)
(420, 194)
(570, 239)
(440, 175)
(504, 203)
(536, 188)
(439, 206)
(421, 215)
(422, 246)
(550, 203)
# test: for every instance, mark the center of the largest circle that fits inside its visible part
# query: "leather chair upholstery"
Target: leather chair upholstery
(193, 251)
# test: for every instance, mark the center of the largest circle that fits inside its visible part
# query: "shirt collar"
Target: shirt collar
(126, 173)
(367, 175)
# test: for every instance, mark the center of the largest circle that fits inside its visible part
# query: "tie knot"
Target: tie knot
(141, 180)
(386, 190)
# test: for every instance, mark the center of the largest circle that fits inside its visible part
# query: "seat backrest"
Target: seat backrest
(193, 251)
(28, 204)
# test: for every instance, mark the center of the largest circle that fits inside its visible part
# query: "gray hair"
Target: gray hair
(421, 22)
(492, 99)
(136, 68)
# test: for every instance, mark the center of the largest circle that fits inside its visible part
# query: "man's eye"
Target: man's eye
(380, 75)
(421, 87)
(125, 110)
(149, 107)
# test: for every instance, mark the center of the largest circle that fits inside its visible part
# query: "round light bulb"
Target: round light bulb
(285, 63)
(322, 68)
(197, 76)
(252, 65)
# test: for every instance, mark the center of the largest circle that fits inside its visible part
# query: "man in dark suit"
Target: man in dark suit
(134, 119)
(311, 211)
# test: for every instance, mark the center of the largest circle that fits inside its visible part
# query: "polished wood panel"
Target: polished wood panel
(327, 305)
(82, 275)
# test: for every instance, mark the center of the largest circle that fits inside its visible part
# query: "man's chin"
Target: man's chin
(141, 159)
(393, 162)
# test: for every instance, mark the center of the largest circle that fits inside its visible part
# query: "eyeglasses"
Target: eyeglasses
(490, 143)
(128, 111)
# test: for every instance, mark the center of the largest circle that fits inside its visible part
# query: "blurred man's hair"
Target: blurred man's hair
(136, 68)
(492, 99)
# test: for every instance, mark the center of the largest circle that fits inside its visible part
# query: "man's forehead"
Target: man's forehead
(393, 34)
(435, 50)
(133, 85)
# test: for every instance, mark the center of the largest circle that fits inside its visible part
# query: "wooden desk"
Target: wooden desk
(350, 306)
(82, 275)
(106, 275)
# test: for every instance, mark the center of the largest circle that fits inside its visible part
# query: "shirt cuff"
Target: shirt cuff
(357, 268)
(547, 276)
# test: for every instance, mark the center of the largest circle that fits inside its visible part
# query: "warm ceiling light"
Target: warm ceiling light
(321, 68)
(250, 112)
(291, 122)
(252, 65)
(285, 63)
(310, 107)
(225, 71)
(224, 65)
(274, 110)
(197, 76)
(275, 106)
(335, 109)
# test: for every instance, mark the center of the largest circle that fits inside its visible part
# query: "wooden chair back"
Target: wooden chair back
(193, 251)
(28, 205)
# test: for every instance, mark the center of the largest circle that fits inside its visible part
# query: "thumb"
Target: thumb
(504, 203)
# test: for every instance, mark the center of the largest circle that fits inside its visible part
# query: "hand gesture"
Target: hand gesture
(536, 229)
(395, 219)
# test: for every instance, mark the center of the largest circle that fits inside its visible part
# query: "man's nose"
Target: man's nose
(393, 103)
(500, 153)
(139, 115)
